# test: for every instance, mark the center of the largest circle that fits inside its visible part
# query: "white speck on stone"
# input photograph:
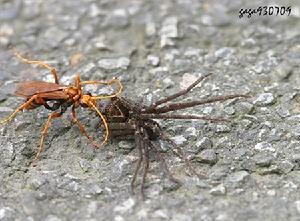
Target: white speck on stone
(204, 143)
(160, 214)
(52, 218)
(6, 30)
(262, 133)
(120, 13)
(164, 42)
(108, 190)
(101, 42)
(170, 55)
(114, 63)
(271, 192)
(207, 110)
(169, 28)
(179, 139)
(153, 60)
(294, 117)
(158, 70)
(168, 31)
(206, 20)
(9, 153)
(66, 80)
(118, 218)
(94, 10)
(258, 68)
(222, 217)
(122, 164)
(295, 12)
(4, 41)
(191, 131)
(187, 80)
(87, 68)
(183, 217)
(142, 214)
(218, 190)
(222, 129)
(229, 110)
(193, 52)
(73, 185)
(290, 185)
(224, 52)
(70, 42)
(248, 42)
(264, 99)
(6, 109)
(168, 82)
(298, 205)
(263, 146)
(3, 212)
(238, 177)
(126, 206)
(150, 29)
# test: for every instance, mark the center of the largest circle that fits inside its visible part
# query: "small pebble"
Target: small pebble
(153, 60)
(114, 63)
(264, 99)
(204, 143)
(238, 177)
(126, 206)
(179, 140)
(222, 129)
(219, 190)
(207, 156)
(263, 159)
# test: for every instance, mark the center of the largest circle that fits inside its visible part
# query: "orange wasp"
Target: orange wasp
(39, 93)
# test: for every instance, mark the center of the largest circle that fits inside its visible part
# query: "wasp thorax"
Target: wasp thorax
(72, 91)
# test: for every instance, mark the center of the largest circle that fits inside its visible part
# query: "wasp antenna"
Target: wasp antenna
(110, 82)
(39, 63)
(104, 122)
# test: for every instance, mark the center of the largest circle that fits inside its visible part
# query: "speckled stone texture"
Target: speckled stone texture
(155, 48)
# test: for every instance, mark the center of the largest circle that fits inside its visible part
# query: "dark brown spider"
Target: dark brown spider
(132, 120)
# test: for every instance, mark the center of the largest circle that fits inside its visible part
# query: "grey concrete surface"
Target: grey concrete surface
(155, 48)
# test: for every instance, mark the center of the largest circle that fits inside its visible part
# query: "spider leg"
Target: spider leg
(138, 144)
(178, 94)
(146, 161)
(180, 116)
(81, 128)
(39, 63)
(184, 105)
(122, 131)
(182, 155)
(164, 164)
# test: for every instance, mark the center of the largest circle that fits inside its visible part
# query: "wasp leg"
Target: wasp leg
(25, 105)
(82, 130)
(44, 133)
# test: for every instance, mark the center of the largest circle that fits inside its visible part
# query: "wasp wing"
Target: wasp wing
(30, 88)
